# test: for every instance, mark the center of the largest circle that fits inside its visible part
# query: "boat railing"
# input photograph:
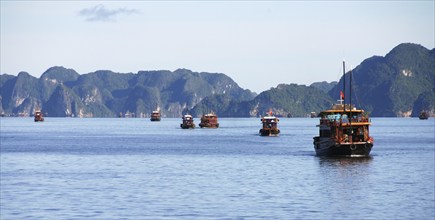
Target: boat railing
(334, 119)
(346, 138)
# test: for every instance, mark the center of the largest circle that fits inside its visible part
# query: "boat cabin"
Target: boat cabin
(270, 126)
(155, 116)
(344, 126)
(187, 122)
(39, 117)
(209, 121)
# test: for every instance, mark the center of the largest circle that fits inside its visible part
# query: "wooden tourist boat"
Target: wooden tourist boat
(209, 121)
(270, 125)
(39, 117)
(187, 122)
(343, 130)
(155, 116)
(423, 115)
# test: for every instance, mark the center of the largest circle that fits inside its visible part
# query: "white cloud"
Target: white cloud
(100, 13)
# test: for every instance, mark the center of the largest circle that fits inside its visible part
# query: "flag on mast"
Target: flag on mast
(341, 95)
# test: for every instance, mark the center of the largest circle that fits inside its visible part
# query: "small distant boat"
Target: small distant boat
(209, 121)
(343, 130)
(155, 116)
(423, 115)
(39, 117)
(270, 125)
(187, 122)
(313, 115)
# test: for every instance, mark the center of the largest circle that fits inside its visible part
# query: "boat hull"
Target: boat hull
(423, 117)
(187, 126)
(330, 148)
(269, 132)
(208, 125)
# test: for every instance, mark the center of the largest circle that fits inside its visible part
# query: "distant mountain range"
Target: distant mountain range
(62, 92)
(399, 84)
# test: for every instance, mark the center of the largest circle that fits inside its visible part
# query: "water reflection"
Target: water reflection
(347, 172)
(345, 179)
(344, 161)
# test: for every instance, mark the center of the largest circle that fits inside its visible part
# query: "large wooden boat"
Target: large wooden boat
(423, 115)
(39, 117)
(209, 121)
(270, 125)
(187, 122)
(343, 131)
(155, 116)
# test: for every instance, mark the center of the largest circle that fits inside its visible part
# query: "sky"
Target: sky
(259, 44)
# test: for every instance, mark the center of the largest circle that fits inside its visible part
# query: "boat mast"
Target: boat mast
(350, 90)
(344, 86)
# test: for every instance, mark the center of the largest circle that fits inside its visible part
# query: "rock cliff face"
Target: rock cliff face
(17, 93)
(64, 103)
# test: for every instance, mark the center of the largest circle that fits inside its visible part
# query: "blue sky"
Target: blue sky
(259, 44)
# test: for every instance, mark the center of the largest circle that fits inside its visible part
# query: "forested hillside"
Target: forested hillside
(399, 84)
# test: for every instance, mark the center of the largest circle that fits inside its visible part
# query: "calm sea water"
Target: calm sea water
(70, 168)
